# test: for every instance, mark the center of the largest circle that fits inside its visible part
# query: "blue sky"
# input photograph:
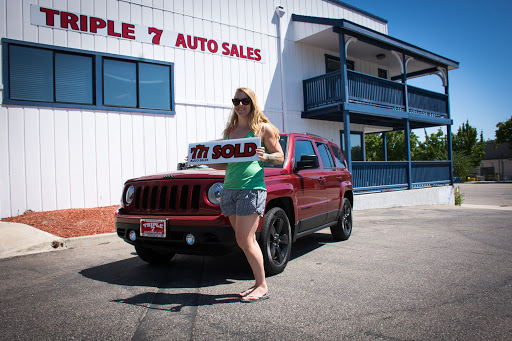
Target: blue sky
(477, 34)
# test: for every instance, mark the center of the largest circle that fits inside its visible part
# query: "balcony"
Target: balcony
(325, 91)
(389, 175)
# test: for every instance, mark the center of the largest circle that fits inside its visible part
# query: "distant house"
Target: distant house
(497, 162)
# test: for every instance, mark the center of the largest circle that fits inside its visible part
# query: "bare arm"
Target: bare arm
(275, 155)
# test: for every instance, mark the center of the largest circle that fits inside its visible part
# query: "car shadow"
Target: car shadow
(186, 271)
(183, 271)
(309, 243)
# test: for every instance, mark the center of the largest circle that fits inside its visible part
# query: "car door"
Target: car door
(331, 184)
(311, 201)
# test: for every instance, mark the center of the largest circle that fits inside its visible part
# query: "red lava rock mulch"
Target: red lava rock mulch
(74, 222)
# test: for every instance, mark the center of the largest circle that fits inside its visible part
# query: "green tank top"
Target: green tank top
(245, 175)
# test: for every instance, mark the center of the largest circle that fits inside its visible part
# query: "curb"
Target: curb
(61, 244)
(84, 241)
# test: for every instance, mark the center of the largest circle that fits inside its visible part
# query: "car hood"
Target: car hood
(197, 173)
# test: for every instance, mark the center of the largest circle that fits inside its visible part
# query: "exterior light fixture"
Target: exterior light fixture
(380, 56)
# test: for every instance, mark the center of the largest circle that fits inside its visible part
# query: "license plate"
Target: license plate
(153, 228)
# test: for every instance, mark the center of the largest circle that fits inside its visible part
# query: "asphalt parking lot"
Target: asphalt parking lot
(415, 273)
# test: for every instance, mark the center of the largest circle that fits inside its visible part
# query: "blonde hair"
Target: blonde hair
(256, 117)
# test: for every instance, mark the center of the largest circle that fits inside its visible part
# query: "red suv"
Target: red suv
(178, 212)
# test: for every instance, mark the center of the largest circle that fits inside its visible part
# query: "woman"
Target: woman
(244, 194)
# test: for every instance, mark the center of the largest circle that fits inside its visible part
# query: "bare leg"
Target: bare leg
(245, 231)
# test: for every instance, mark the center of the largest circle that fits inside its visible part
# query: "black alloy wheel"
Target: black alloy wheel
(343, 229)
(275, 241)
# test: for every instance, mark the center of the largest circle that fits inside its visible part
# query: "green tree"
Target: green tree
(504, 132)
(374, 150)
(433, 149)
(467, 150)
(395, 144)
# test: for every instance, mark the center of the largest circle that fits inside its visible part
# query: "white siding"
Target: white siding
(53, 158)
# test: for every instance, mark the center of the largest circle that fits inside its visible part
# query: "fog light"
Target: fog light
(190, 239)
(132, 235)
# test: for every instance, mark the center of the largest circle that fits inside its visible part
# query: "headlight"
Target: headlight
(129, 195)
(214, 193)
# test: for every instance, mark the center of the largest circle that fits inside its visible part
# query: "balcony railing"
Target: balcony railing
(377, 176)
(364, 89)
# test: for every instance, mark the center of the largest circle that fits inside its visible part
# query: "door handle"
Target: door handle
(321, 180)
(339, 178)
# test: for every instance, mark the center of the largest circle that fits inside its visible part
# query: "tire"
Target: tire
(153, 257)
(275, 241)
(343, 229)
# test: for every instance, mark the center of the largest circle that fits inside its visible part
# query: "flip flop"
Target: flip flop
(251, 299)
(246, 292)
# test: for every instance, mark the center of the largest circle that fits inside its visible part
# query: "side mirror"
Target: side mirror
(307, 161)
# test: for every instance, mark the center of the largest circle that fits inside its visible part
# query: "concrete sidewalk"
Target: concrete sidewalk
(20, 239)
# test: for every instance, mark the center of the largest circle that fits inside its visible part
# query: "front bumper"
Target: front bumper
(212, 236)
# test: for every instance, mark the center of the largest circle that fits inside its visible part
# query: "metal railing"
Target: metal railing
(326, 89)
(386, 175)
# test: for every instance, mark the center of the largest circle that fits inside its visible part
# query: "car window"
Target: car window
(325, 155)
(283, 141)
(338, 156)
(303, 147)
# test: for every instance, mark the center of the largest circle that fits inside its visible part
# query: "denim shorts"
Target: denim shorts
(243, 202)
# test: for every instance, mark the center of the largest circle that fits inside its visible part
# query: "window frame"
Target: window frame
(97, 79)
(332, 162)
(313, 146)
(360, 135)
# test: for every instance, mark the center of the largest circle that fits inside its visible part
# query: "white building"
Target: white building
(97, 92)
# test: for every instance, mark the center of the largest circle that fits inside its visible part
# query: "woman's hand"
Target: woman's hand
(261, 154)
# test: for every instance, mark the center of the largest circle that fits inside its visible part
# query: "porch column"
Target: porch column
(385, 145)
(449, 128)
(408, 152)
(450, 153)
(343, 66)
(407, 137)
(346, 137)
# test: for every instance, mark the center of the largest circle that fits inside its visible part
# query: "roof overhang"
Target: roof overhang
(324, 33)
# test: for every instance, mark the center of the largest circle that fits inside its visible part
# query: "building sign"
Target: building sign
(41, 16)
(237, 150)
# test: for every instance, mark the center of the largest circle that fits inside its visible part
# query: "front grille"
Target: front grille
(167, 198)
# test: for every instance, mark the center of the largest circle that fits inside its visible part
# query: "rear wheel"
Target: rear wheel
(275, 241)
(153, 256)
(343, 229)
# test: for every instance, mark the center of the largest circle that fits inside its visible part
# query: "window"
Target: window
(338, 156)
(383, 73)
(356, 144)
(332, 63)
(43, 75)
(284, 146)
(303, 147)
(325, 155)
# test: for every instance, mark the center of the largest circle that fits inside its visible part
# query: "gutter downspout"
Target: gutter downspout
(279, 14)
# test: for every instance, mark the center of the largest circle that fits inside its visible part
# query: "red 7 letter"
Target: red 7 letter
(158, 34)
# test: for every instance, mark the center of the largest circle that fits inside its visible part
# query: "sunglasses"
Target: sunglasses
(244, 101)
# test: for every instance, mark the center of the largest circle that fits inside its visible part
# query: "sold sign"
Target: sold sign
(237, 150)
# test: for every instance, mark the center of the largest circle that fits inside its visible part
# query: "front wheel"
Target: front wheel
(275, 241)
(154, 257)
(343, 228)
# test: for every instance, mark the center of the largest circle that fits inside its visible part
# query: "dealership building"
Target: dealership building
(97, 92)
